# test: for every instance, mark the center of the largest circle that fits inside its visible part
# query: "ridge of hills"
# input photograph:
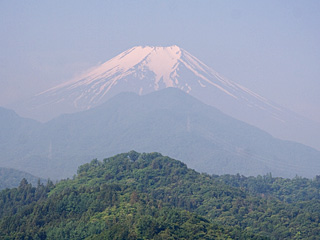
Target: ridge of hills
(10, 178)
(168, 121)
(150, 196)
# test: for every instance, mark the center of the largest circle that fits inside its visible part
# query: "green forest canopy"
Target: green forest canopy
(150, 196)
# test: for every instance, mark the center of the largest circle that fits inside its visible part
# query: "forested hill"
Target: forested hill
(149, 196)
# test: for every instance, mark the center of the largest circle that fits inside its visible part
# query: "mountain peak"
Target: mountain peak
(144, 69)
(159, 48)
(159, 60)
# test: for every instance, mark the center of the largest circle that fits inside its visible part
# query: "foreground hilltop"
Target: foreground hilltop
(149, 196)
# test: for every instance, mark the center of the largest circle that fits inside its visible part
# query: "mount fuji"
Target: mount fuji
(144, 69)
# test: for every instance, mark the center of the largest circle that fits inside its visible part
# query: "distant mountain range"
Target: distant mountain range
(167, 121)
(146, 69)
(10, 178)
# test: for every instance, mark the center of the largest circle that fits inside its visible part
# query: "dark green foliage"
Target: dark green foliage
(287, 190)
(149, 196)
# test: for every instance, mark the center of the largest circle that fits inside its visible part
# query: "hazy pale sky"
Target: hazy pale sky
(270, 47)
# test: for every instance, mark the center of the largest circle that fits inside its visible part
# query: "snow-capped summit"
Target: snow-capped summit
(144, 69)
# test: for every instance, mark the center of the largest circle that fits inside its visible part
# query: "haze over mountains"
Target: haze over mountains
(10, 178)
(168, 121)
(206, 139)
(146, 69)
(154, 99)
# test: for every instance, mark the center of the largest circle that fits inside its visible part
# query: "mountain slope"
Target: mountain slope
(146, 69)
(20, 144)
(10, 178)
(168, 121)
